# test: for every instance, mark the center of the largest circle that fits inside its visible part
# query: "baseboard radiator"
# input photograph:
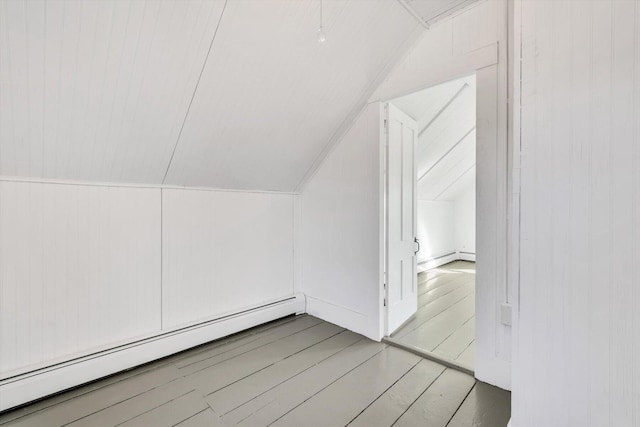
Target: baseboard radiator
(27, 387)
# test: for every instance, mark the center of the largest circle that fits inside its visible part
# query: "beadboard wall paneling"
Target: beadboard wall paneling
(79, 270)
(578, 351)
(223, 252)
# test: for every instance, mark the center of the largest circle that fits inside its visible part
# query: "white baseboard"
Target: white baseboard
(427, 264)
(492, 370)
(339, 315)
(438, 261)
(466, 256)
(34, 385)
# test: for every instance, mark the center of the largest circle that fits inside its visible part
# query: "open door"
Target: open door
(402, 245)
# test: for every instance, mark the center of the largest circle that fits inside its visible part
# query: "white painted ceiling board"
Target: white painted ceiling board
(424, 105)
(445, 154)
(459, 187)
(97, 90)
(432, 10)
(450, 127)
(271, 97)
(452, 166)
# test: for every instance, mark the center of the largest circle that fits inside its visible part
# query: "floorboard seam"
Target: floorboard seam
(155, 407)
(419, 396)
(245, 352)
(299, 373)
(449, 336)
(188, 418)
(381, 394)
(429, 319)
(275, 363)
(460, 405)
(432, 317)
(328, 385)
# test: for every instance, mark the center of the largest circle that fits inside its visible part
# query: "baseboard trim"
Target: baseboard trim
(34, 385)
(492, 370)
(338, 315)
(429, 355)
(467, 256)
(438, 261)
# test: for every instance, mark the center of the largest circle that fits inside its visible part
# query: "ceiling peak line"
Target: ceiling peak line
(447, 153)
(453, 98)
(195, 90)
(413, 13)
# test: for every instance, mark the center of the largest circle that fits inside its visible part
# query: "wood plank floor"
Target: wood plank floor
(445, 321)
(297, 371)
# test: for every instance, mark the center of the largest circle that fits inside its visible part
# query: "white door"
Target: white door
(402, 294)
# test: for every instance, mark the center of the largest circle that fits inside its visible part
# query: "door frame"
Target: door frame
(492, 152)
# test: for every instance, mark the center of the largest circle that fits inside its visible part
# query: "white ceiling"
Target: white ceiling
(234, 94)
(430, 11)
(446, 148)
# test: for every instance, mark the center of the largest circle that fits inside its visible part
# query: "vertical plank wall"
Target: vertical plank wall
(224, 251)
(79, 270)
(87, 267)
(577, 358)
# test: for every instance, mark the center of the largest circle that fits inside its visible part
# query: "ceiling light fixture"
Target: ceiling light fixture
(321, 34)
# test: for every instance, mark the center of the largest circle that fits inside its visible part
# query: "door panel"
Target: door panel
(402, 299)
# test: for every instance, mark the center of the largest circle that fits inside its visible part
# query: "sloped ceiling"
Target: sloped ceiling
(214, 93)
(446, 148)
(430, 11)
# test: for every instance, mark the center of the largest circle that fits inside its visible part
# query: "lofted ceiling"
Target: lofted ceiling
(213, 93)
(430, 11)
(446, 147)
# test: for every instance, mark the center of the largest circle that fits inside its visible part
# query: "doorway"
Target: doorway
(431, 221)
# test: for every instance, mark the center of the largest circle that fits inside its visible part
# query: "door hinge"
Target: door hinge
(384, 302)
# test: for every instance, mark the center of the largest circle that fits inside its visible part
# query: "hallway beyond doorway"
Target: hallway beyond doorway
(444, 324)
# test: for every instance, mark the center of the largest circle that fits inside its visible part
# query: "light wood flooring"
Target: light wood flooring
(445, 322)
(298, 371)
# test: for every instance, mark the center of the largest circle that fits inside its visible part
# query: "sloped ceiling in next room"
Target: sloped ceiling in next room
(235, 94)
(446, 147)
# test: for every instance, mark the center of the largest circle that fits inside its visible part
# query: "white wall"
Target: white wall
(436, 229)
(340, 229)
(224, 251)
(79, 270)
(464, 214)
(84, 267)
(577, 353)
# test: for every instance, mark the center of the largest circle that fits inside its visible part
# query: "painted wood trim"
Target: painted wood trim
(35, 385)
(438, 261)
(429, 355)
(137, 185)
(458, 66)
(339, 315)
